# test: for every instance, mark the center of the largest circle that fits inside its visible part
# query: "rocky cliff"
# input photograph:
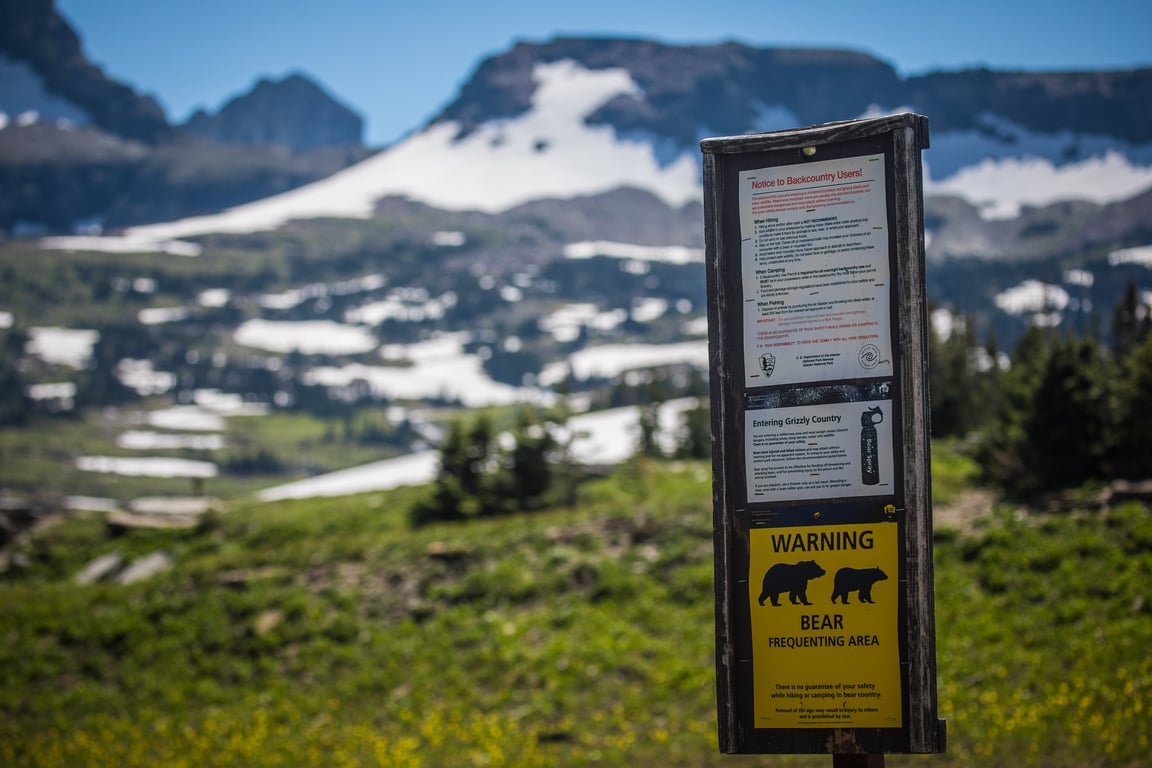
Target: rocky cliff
(687, 91)
(292, 112)
(80, 150)
(31, 31)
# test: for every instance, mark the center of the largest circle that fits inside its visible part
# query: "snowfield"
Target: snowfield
(1002, 187)
(309, 337)
(599, 438)
(152, 466)
(437, 368)
(62, 346)
(546, 153)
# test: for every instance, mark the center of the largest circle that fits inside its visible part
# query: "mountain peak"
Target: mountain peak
(293, 111)
(677, 84)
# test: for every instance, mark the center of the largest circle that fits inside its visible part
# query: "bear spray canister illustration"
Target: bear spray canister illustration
(869, 446)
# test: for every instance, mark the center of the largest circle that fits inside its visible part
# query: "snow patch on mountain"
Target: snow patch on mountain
(70, 347)
(669, 254)
(434, 368)
(24, 99)
(1141, 255)
(119, 244)
(612, 360)
(1002, 187)
(548, 152)
(998, 139)
(1002, 167)
(152, 466)
(309, 337)
(598, 438)
(1032, 296)
(566, 323)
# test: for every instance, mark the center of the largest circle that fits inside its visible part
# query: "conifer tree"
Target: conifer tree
(956, 393)
(528, 461)
(695, 439)
(13, 400)
(1132, 453)
(647, 444)
(1067, 429)
(477, 479)
(1131, 322)
(999, 453)
(460, 490)
(1069, 412)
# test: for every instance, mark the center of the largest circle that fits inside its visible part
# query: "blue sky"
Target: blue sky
(398, 64)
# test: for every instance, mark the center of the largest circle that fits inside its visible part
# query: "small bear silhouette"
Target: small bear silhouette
(792, 579)
(853, 579)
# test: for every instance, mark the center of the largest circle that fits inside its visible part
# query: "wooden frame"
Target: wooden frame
(783, 212)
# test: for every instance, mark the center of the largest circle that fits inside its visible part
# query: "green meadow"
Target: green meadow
(331, 632)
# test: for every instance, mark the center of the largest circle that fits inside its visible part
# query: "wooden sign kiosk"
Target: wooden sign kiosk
(825, 631)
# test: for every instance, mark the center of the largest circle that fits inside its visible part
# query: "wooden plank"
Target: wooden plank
(899, 138)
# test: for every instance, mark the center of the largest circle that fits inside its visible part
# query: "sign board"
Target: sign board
(821, 494)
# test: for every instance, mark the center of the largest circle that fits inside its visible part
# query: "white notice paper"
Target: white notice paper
(815, 271)
(819, 451)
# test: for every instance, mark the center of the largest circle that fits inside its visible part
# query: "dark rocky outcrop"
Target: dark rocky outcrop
(1117, 103)
(686, 89)
(125, 164)
(32, 31)
(691, 91)
(293, 112)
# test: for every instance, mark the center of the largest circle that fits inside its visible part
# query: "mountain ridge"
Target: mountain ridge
(1112, 102)
(504, 81)
(575, 116)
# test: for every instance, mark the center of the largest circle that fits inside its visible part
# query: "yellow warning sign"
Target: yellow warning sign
(824, 602)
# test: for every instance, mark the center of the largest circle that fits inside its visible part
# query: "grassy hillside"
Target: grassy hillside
(327, 632)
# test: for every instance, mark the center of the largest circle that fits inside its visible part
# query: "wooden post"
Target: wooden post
(825, 630)
(857, 761)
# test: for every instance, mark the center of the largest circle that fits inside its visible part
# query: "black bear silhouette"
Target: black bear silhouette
(856, 579)
(792, 579)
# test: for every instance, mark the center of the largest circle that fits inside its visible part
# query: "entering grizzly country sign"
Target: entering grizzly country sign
(825, 629)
